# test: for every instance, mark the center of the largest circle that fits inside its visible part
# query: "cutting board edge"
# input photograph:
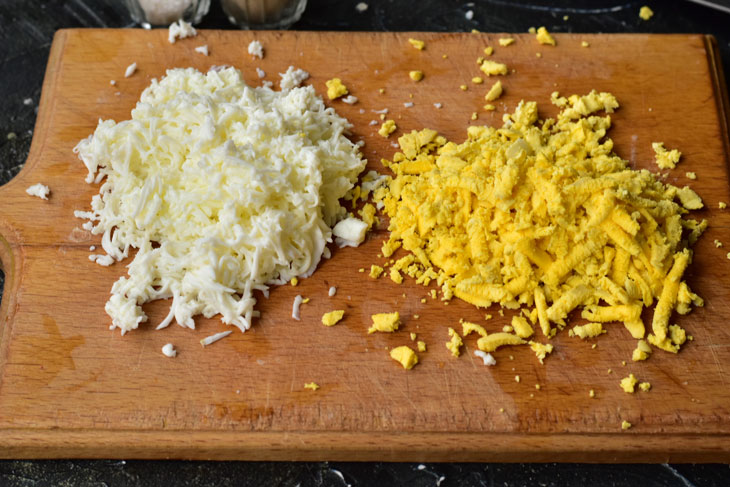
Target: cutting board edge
(625, 447)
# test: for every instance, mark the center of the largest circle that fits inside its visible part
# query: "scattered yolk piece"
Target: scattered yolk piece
(625, 425)
(405, 356)
(541, 350)
(517, 378)
(413, 337)
(387, 128)
(645, 13)
(591, 393)
(538, 54)
(641, 352)
(508, 329)
(477, 80)
(490, 108)
(494, 92)
(491, 342)
(381, 90)
(584, 44)
(418, 44)
(416, 75)
(629, 383)
(468, 327)
(506, 41)
(335, 88)
(645, 386)
(589, 330)
(311, 385)
(488, 51)
(333, 317)
(455, 343)
(463, 87)
(474, 116)
(385, 322)
(294, 281)
(691, 175)
(722, 205)
(375, 271)
(665, 159)
(305, 300)
(522, 327)
(537, 386)
(492, 68)
(544, 37)
(718, 244)
(421, 346)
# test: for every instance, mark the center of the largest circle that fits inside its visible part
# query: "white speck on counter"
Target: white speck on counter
(469, 15)
(362, 110)
(113, 82)
(104, 260)
(408, 104)
(180, 30)
(131, 69)
(214, 338)
(39, 190)
(28, 101)
(169, 350)
(256, 49)
(92, 248)
(350, 100)
(394, 144)
(295, 307)
(332, 291)
(373, 122)
(203, 50)
(437, 105)
(260, 72)
(361, 7)
(381, 112)
(486, 357)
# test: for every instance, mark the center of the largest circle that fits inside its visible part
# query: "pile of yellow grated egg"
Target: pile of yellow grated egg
(543, 216)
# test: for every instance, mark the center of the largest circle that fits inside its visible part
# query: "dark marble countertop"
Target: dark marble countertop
(26, 31)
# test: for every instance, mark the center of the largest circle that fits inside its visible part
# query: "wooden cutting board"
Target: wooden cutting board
(70, 387)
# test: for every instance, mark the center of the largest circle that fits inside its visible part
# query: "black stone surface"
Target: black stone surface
(26, 31)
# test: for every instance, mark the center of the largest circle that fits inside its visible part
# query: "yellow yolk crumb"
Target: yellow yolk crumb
(506, 41)
(385, 322)
(463, 87)
(691, 175)
(421, 346)
(294, 281)
(387, 128)
(474, 116)
(467, 328)
(629, 383)
(492, 68)
(311, 385)
(645, 386)
(584, 44)
(641, 352)
(375, 271)
(591, 393)
(477, 80)
(718, 244)
(494, 92)
(508, 329)
(396, 276)
(522, 327)
(625, 425)
(589, 330)
(416, 75)
(517, 378)
(665, 159)
(333, 317)
(455, 343)
(544, 37)
(305, 300)
(491, 342)
(645, 13)
(722, 205)
(541, 350)
(413, 337)
(538, 54)
(405, 356)
(335, 88)
(489, 108)
(488, 51)
(418, 44)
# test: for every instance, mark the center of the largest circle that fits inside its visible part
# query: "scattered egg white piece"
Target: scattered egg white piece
(103, 260)
(350, 232)
(88, 226)
(214, 338)
(131, 69)
(373, 122)
(203, 50)
(362, 110)
(168, 350)
(394, 144)
(486, 357)
(332, 291)
(267, 84)
(256, 49)
(384, 111)
(437, 105)
(39, 190)
(350, 99)
(469, 14)
(361, 7)
(92, 248)
(180, 30)
(113, 82)
(292, 78)
(408, 104)
(28, 101)
(260, 72)
(295, 307)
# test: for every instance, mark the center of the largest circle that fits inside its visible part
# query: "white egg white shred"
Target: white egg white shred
(223, 188)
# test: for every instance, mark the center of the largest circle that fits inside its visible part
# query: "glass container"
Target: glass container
(150, 13)
(263, 14)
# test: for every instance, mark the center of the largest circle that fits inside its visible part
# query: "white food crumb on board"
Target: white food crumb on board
(292, 78)
(260, 72)
(469, 14)
(267, 84)
(113, 82)
(373, 122)
(168, 350)
(214, 338)
(349, 232)
(361, 7)
(408, 104)
(437, 105)
(28, 101)
(256, 49)
(39, 190)
(92, 248)
(203, 50)
(394, 144)
(131, 69)
(104, 260)
(88, 226)
(486, 357)
(381, 112)
(295, 307)
(180, 30)
(332, 291)
(350, 99)
(362, 110)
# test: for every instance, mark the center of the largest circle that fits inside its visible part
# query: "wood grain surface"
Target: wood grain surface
(70, 387)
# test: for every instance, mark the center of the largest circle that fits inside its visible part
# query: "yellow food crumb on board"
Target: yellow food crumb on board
(641, 352)
(591, 393)
(718, 244)
(491, 342)
(477, 80)
(468, 327)
(413, 337)
(335, 88)
(375, 271)
(416, 75)
(395, 275)
(645, 13)
(418, 44)
(494, 92)
(387, 128)
(584, 44)
(294, 281)
(361, 269)
(405, 356)
(589, 330)
(444, 56)
(454, 343)
(493, 68)
(305, 300)
(421, 346)
(645, 386)
(506, 41)
(311, 385)
(665, 159)
(544, 37)
(463, 87)
(517, 378)
(522, 327)
(385, 322)
(722, 205)
(331, 318)
(625, 425)
(538, 54)
(489, 107)
(537, 386)
(629, 383)
(691, 175)
(508, 329)
(541, 350)
(474, 116)
(488, 51)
